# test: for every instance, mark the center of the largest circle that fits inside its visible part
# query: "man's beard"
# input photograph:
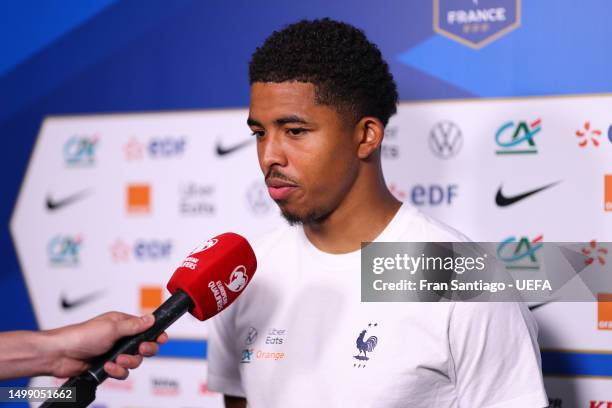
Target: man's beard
(310, 218)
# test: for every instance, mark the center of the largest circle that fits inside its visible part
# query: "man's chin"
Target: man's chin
(295, 218)
(292, 219)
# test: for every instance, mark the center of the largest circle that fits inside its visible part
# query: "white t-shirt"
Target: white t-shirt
(295, 337)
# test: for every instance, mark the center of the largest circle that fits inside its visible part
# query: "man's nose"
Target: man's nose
(270, 151)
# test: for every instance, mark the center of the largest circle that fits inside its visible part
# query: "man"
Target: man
(321, 96)
(67, 351)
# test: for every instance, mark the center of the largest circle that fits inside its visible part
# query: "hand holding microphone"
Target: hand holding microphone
(68, 350)
(210, 278)
(78, 343)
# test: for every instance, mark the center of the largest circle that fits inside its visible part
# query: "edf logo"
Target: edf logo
(142, 250)
(80, 151)
(166, 147)
(155, 148)
(433, 194)
(153, 250)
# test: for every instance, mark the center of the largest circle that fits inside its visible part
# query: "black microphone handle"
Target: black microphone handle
(165, 315)
(84, 386)
(86, 383)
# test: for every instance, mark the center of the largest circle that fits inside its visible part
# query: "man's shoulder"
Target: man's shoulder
(421, 227)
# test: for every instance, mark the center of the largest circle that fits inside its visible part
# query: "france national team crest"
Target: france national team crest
(365, 344)
(476, 23)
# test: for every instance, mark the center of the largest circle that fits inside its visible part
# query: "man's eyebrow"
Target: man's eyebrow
(290, 119)
(253, 122)
(280, 121)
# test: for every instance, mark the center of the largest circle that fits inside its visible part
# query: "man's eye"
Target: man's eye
(296, 131)
(258, 133)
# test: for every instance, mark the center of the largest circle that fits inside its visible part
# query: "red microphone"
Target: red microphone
(208, 280)
(215, 273)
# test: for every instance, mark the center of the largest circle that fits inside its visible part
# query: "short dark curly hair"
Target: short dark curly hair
(347, 70)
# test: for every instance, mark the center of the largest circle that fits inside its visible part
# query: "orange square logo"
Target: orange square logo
(139, 198)
(151, 297)
(608, 192)
(604, 311)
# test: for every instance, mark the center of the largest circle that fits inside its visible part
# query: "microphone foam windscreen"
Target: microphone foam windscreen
(215, 273)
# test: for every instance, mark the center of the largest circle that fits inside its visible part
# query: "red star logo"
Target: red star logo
(586, 134)
(134, 150)
(120, 251)
(399, 194)
(593, 253)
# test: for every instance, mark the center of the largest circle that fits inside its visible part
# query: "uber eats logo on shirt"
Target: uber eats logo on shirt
(275, 336)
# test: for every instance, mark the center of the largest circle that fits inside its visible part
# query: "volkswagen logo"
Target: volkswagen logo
(445, 139)
(258, 198)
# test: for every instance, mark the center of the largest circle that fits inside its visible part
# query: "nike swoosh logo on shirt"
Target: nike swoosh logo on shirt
(71, 304)
(53, 205)
(504, 201)
(223, 151)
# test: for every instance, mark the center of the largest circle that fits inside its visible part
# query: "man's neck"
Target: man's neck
(354, 222)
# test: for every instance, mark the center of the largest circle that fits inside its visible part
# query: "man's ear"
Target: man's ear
(369, 133)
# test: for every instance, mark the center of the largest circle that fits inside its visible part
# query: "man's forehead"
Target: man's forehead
(282, 93)
(283, 101)
(280, 103)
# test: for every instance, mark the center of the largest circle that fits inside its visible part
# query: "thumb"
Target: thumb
(134, 325)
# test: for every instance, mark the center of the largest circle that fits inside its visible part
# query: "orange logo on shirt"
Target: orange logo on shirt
(604, 311)
(151, 297)
(139, 198)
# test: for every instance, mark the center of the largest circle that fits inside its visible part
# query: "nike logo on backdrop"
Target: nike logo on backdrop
(504, 201)
(222, 150)
(57, 204)
(537, 305)
(71, 304)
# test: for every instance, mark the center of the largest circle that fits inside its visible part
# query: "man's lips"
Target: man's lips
(280, 193)
(280, 189)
